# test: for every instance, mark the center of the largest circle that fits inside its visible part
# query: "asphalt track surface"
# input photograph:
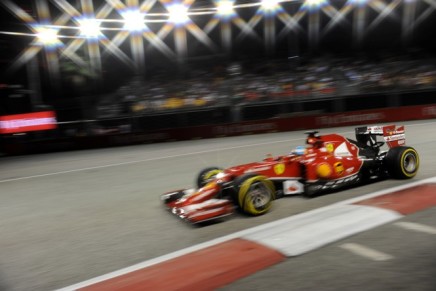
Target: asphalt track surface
(69, 217)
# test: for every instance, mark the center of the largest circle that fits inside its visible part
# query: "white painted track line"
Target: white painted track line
(366, 252)
(416, 227)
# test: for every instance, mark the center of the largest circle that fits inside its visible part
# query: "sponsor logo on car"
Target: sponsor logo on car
(330, 147)
(395, 137)
(279, 169)
(258, 169)
(339, 168)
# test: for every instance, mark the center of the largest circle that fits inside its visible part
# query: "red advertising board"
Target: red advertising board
(318, 121)
(35, 121)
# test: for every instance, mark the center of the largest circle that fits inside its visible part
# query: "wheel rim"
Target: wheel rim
(409, 163)
(259, 195)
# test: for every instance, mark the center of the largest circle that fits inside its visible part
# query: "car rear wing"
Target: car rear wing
(393, 135)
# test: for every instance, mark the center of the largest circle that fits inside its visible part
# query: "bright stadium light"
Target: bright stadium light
(178, 14)
(133, 20)
(359, 2)
(47, 36)
(269, 5)
(89, 28)
(314, 3)
(225, 8)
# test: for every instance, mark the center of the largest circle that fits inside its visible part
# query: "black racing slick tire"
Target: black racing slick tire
(402, 162)
(206, 175)
(254, 194)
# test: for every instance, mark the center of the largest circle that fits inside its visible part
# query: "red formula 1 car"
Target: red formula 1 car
(326, 163)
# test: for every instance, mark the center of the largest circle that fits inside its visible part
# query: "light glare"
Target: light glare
(47, 35)
(133, 20)
(314, 3)
(178, 14)
(269, 4)
(359, 2)
(89, 28)
(225, 8)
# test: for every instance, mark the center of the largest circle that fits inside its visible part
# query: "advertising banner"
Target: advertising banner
(19, 123)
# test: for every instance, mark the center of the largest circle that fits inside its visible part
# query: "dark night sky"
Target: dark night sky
(386, 36)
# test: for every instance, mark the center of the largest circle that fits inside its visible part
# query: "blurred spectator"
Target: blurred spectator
(268, 80)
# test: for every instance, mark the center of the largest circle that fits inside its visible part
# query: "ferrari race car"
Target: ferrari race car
(326, 163)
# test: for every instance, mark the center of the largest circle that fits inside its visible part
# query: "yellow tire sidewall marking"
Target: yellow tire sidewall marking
(415, 154)
(244, 200)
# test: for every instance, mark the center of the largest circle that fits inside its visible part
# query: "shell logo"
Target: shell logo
(339, 168)
(279, 169)
(323, 170)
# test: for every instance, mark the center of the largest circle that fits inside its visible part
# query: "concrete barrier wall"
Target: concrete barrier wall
(311, 120)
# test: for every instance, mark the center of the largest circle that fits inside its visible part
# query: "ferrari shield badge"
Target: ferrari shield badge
(279, 169)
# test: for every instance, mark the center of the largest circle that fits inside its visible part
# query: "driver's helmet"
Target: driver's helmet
(311, 140)
(299, 150)
(314, 141)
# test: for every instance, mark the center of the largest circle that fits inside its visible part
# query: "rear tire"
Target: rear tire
(254, 194)
(402, 162)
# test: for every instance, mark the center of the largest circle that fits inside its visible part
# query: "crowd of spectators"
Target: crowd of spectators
(271, 80)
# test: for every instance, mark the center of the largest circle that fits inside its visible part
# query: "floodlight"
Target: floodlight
(269, 5)
(47, 35)
(178, 14)
(359, 2)
(314, 3)
(225, 8)
(89, 28)
(133, 20)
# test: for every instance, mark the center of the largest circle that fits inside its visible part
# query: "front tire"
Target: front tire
(254, 194)
(402, 162)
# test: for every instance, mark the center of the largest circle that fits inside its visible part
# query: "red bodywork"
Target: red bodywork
(330, 159)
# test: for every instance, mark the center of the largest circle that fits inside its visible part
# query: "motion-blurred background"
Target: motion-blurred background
(92, 73)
